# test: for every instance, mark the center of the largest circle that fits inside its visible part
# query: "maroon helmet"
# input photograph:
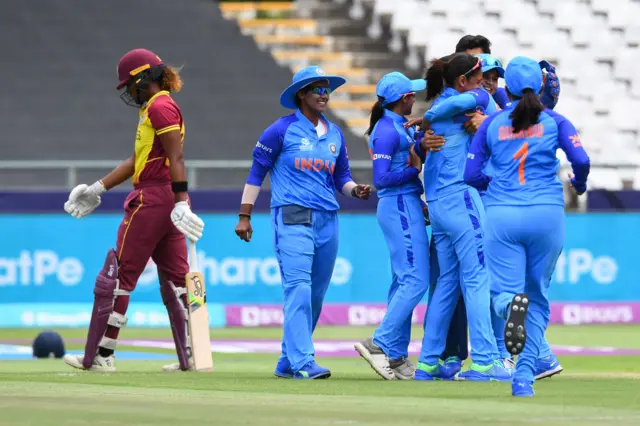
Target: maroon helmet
(134, 62)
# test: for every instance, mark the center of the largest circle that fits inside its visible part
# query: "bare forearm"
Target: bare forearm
(120, 174)
(178, 174)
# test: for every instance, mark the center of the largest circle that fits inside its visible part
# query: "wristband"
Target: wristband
(354, 193)
(248, 216)
(179, 186)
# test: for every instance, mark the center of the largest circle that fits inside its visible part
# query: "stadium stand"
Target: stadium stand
(238, 56)
(59, 101)
(594, 45)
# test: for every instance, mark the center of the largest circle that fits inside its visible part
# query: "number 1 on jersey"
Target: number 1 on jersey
(522, 155)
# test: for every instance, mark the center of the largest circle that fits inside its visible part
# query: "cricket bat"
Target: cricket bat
(199, 336)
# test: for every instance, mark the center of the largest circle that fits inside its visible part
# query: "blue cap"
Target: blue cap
(523, 73)
(488, 63)
(392, 86)
(303, 78)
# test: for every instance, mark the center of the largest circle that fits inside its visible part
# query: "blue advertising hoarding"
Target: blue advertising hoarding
(53, 259)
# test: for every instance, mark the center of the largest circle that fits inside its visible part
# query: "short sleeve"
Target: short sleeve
(164, 117)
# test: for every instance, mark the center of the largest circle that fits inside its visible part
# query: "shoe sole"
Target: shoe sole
(550, 373)
(366, 355)
(515, 333)
(479, 378)
(316, 377)
(81, 367)
(283, 375)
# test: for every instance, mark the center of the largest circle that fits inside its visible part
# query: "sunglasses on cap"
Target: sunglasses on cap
(319, 90)
(490, 62)
(475, 67)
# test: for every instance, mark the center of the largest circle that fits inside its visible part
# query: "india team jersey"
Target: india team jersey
(159, 115)
(305, 169)
(443, 170)
(524, 163)
(389, 145)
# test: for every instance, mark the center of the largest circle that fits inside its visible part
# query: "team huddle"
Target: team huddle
(489, 189)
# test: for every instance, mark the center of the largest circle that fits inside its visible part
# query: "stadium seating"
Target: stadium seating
(594, 45)
(59, 100)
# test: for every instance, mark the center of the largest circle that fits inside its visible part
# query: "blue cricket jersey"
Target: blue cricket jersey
(305, 169)
(443, 170)
(524, 164)
(389, 145)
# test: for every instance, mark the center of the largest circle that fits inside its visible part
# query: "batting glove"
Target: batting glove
(83, 199)
(186, 221)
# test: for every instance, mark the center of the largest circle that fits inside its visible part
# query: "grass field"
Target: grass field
(242, 390)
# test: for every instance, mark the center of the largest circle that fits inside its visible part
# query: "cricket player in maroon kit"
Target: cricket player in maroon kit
(157, 214)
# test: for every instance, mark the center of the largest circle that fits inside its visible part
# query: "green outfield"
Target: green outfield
(602, 390)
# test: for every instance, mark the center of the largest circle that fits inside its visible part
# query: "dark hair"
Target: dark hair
(441, 72)
(527, 112)
(474, 42)
(377, 111)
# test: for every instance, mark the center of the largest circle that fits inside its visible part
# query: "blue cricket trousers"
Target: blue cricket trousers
(306, 255)
(456, 224)
(402, 222)
(523, 244)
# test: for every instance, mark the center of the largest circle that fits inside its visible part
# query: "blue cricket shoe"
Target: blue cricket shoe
(311, 371)
(283, 368)
(520, 387)
(547, 367)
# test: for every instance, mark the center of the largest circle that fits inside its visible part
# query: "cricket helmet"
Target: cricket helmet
(48, 344)
(138, 68)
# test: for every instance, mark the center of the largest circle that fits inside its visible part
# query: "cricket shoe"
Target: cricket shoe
(283, 368)
(520, 387)
(403, 368)
(509, 364)
(176, 366)
(547, 367)
(515, 334)
(311, 371)
(495, 372)
(451, 366)
(376, 358)
(100, 363)
(431, 372)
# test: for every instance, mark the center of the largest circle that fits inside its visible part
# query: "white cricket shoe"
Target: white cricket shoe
(176, 366)
(100, 363)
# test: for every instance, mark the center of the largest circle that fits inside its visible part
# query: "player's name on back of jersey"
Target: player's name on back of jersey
(506, 132)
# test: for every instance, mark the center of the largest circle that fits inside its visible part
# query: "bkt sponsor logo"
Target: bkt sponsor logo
(589, 314)
(243, 271)
(575, 264)
(34, 268)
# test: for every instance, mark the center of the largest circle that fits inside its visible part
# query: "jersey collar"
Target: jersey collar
(154, 97)
(395, 117)
(308, 124)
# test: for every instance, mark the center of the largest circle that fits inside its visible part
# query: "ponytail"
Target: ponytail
(435, 78)
(527, 112)
(377, 111)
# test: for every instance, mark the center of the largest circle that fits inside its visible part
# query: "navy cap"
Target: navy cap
(392, 86)
(523, 73)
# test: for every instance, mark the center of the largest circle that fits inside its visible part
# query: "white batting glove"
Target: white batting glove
(186, 221)
(84, 199)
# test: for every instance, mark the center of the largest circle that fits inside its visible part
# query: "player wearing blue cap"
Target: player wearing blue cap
(478, 44)
(306, 157)
(456, 215)
(525, 209)
(396, 167)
